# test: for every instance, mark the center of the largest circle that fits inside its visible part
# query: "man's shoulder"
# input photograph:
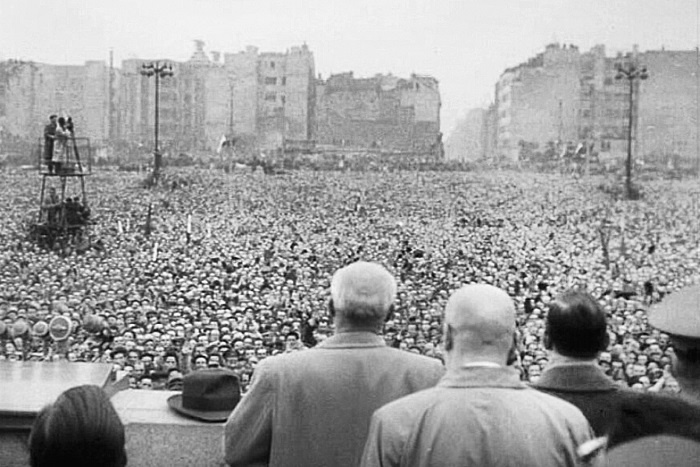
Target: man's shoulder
(294, 361)
(652, 413)
(575, 378)
(411, 405)
(390, 355)
(415, 371)
(550, 401)
(421, 361)
(283, 360)
(420, 401)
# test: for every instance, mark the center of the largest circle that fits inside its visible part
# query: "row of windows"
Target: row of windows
(272, 97)
(609, 113)
(271, 80)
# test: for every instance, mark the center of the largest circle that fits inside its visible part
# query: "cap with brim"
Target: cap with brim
(679, 313)
(207, 395)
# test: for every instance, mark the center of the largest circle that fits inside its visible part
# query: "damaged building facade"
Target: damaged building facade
(384, 112)
(266, 97)
(566, 96)
(30, 92)
(269, 98)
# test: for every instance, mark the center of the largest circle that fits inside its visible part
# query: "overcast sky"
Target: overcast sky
(465, 44)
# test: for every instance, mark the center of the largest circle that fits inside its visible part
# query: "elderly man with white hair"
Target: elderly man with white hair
(313, 408)
(480, 413)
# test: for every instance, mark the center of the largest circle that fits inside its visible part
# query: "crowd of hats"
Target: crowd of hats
(233, 268)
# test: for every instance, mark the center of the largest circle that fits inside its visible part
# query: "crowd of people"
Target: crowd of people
(230, 269)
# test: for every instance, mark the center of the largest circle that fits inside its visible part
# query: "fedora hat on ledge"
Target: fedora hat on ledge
(207, 395)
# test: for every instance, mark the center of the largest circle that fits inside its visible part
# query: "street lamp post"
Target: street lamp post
(231, 80)
(632, 73)
(160, 71)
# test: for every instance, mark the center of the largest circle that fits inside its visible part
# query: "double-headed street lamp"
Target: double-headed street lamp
(159, 70)
(633, 74)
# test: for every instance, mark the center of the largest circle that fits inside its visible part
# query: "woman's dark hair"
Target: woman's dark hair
(80, 429)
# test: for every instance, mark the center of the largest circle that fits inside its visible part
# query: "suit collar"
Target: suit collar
(575, 378)
(482, 377)
(352, 340)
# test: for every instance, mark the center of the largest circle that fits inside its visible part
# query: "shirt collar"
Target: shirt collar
(575, 378)
(556, 359)
(353, 339)
(481, 365)
(482, 377)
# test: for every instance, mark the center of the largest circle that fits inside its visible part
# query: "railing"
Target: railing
(64, 156)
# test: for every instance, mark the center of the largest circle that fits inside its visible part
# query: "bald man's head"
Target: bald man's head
(479, 319)
(362, 293)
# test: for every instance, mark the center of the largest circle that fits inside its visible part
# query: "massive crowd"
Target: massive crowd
(229, 269)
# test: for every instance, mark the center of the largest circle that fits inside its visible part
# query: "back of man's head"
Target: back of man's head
(576, 325)
(362, 294)
(479, 324)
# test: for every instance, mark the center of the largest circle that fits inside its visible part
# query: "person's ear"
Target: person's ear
(449, 338)
(547, 340)
(389, 314)
(675, 365)
(606, 342)
(331, 308)
(513, 355)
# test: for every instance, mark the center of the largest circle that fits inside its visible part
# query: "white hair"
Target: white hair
(363, 292)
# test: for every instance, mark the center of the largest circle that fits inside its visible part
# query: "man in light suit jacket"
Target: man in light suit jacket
(312, 408)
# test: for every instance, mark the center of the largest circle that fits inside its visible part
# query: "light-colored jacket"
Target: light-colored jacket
(313, 408)
(479, 416)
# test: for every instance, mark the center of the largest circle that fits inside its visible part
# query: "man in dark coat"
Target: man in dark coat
(575, 334)
(313, 407)
(49, 137)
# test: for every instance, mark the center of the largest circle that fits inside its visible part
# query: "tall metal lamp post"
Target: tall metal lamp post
(633, 74)
(231, 82)
(160, 71)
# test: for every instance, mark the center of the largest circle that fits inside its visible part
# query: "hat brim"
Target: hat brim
(175, 403)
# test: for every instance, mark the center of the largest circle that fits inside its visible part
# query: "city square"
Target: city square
(253, 257)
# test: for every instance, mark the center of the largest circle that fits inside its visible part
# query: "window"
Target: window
(271, 80)
(284, 81)
(271, 96)
(272, 64)
(283, 99)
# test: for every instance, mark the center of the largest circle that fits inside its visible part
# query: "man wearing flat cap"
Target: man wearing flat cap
(312, 408)
(678, 315)
(480, 413)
